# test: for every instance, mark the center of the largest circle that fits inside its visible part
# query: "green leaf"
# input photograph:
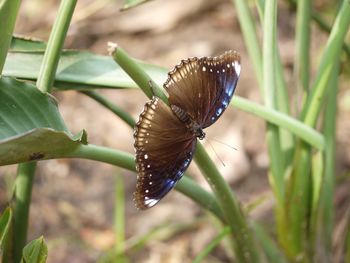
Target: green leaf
(38, 144)
(35, 251)
(132, 3)
(78, 70)
(31, 127)
(25, 44)
(5, 224)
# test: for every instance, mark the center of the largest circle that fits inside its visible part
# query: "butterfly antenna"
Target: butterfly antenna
(217, 156)
(223, 143)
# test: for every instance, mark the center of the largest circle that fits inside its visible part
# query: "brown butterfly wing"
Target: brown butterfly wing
(204, 87)
(164, 149)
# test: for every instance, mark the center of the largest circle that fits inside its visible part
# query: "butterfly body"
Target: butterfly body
(200, 89)
(191, 124)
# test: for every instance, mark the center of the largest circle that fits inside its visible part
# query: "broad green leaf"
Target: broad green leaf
(78, 70)
(31, 127)
(5, 224)
(132, 3)
(25, 44)
(38, 144)
(35, 251)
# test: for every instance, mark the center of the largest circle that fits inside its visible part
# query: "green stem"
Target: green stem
(326, 27)
(21, 206)
(119, 216)
(322, 23)
(287, 140)
(270, 89)
(126, 117)
(125, 160)
(302, 45)
(136, 72)
(251, 39)
(272, 251)
(330, 57)
(245, 247)
(8, 15)
(305, 132)
(58, 34)
(326, 212)
(298, 206)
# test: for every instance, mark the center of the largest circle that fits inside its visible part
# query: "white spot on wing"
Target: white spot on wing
(146, 156)
(150, 202)
(237, 67)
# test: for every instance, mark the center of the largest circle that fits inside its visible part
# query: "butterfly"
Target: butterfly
(199, 90)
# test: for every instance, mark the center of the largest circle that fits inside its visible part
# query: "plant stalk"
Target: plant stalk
(127, 161)
(53, 50)
(330, 56)
(302, 59)
(21, 206)
(245, 247)
(270, 89)
(251, 39)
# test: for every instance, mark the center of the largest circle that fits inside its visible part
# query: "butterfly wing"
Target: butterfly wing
(164, 149)
(204, 87)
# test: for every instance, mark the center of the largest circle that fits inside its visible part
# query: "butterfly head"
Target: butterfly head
(200, 134)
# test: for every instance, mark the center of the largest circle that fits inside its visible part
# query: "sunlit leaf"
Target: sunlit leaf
(78, 70)
(35, 251)
(5, 224)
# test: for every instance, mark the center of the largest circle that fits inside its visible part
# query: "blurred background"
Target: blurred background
(74, 200)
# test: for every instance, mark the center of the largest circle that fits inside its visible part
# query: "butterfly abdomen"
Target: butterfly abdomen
(181, 114)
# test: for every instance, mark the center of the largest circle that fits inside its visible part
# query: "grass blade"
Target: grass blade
(251, 39)
(326, 209)
(212, 245)
(272, 251)
(328, 61)
(270, 89)
(298, 128)
(302, 58)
